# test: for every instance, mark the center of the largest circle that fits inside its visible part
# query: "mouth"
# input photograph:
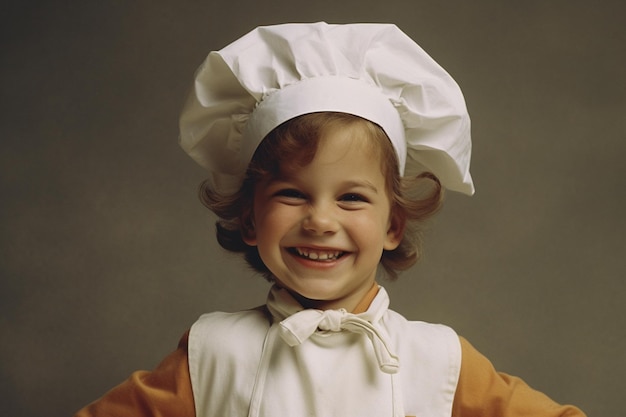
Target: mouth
(318, 255)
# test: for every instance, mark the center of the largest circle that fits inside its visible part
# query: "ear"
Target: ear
(248, 232)
(395, 233)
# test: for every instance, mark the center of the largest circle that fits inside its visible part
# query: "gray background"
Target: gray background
(107, 256)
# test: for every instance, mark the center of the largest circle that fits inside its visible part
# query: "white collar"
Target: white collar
(297, 324)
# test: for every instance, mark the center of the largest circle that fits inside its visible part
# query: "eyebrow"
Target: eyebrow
(364, 184)
(347, 184)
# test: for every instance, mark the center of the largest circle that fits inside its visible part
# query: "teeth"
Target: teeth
(318, 255)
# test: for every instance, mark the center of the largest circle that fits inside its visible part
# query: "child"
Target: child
(328, 147)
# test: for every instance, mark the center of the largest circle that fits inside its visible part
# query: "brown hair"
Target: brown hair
(413, 200)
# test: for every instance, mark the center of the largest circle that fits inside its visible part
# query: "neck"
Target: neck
(360, 307)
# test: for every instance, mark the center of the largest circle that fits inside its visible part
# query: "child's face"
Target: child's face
(321, 229)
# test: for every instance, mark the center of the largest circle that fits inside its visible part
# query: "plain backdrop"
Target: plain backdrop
(107, 256)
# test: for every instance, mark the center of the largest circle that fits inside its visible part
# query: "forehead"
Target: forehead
(336, 139)
(293, 145)
(345, 157)
(352, 139)
(341, 160)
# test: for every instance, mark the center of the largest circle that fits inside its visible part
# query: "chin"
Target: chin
(310, 297)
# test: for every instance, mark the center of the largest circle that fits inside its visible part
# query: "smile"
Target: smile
(318, 255)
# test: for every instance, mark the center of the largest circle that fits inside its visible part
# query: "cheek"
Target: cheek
(369, 227)
(272, 219)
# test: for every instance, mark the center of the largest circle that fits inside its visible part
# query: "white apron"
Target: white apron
(282, 361)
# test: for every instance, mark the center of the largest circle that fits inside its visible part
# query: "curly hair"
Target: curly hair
(294, 144)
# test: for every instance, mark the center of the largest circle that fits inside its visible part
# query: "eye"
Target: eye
(353, 198)
(290, 193)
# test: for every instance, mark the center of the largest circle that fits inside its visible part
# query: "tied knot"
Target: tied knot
(332, 320)
(297, 328)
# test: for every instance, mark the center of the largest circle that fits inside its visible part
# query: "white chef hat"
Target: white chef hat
(373, 71)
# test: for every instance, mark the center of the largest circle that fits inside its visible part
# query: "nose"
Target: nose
(320, 221)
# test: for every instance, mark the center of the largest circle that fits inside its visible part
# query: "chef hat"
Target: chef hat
(373, 71)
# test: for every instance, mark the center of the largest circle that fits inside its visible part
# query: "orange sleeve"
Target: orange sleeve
(483, 391)
(164, 392)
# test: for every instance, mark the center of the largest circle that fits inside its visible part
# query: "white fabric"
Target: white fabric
(328, 93)
(297, 325)
(374, 71)
(240, 365)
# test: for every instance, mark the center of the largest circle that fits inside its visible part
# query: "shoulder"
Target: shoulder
(225, 330)
(432, 334)
(222, 340)
(229, 322)
(418, 341)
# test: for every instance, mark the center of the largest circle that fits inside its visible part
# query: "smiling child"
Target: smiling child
(328, 147)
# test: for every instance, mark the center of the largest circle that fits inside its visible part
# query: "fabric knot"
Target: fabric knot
(332, 320)
(297, 326)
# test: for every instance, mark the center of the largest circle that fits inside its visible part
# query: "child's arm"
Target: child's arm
(483, 391)
(164, 392)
